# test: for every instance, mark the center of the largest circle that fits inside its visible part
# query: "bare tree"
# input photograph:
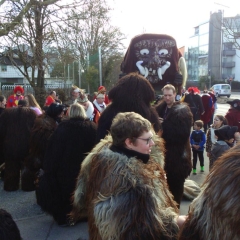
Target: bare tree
(88, 30)
(30, 39)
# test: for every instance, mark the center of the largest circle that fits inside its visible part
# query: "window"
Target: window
(4, 68)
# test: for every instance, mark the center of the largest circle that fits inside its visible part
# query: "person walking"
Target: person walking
(207, 104)
(197, 141)
(12, 100)
(3, 102)
(50, 98)
(233, 114)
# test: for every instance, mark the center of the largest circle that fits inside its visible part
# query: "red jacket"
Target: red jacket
(207, 104)
(233, 117)
(49, 100)
(13, 100)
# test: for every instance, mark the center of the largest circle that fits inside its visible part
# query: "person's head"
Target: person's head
(102, 90)
(219, 120)
(83, 100)
(18, 90)
(53, 94)
(22, 103)
(55, 111)
(169, 94)
(235, 104)
(132, 131)
(198, 125)
(226, 133)
(31, 100)
(100, 98)
(76, 110)
(2, 101)
(76, 92)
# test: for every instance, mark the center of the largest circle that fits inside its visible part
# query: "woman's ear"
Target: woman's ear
(128, 143)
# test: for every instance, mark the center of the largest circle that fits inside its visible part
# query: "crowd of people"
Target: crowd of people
(121, 162)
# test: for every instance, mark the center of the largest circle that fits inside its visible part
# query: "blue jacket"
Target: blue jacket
(196, 139)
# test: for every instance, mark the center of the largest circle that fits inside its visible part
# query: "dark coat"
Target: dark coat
(67, 148)
(176, 133)
(15, 128)
(132, 93)
(43, 128)
(194, 101)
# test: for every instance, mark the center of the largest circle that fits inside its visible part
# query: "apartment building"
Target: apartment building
(211, 53)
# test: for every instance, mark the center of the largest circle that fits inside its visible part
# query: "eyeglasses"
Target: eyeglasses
(146, 139)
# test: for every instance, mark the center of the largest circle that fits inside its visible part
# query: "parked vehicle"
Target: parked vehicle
(222, 90)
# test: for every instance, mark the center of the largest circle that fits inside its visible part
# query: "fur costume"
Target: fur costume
(176, 133)
(156, 57)
(15, 128)
(132, 93)
(8, 228)
(67, 147)
(124, 198)
(214, 214)
(43, 128)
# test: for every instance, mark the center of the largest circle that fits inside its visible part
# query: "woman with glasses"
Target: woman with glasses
(121, 187)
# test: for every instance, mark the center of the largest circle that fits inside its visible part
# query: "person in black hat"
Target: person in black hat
(225, 139)
(233, 114)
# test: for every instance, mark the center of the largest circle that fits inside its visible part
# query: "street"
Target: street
(34, 224)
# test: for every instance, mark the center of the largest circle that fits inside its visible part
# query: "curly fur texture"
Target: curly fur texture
(15, 128)
(214, 214)
(132, 93)
(8, 227)
(124, 198)
(176, 132)
(67, 148)
(43, 128)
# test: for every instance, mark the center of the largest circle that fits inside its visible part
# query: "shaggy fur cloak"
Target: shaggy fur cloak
(176, 133)
(214, 214)
(15, 128)
(43, 128)
(156, 57)
(124, 198)
(8, 228)
(67, 147)
(132, 93)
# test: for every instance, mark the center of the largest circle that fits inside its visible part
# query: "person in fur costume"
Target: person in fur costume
(43, 128)
(157, 58)
(176, 120)
(15, 127)
(67, 147)
(134, 93)
(8, 228)
(122, 185)
(214, 213)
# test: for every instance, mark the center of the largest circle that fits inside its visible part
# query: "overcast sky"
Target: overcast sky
(172, 17)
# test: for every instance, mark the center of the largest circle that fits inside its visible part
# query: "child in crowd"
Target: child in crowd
(197, 140)
(226, 137)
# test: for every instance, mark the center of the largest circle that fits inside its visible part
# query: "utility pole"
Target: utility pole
(100, 65)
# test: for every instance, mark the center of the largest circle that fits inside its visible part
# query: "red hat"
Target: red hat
(101, 88)
(18, 88)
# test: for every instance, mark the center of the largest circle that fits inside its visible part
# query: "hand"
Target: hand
(208, 154)
(160, 120)
(181, 219)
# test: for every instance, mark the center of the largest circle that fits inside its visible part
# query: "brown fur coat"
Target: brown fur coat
(124, 198)
(214, 214)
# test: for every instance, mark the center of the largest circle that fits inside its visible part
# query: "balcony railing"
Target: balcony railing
(227, 76)
(229, 52)
(228, 64)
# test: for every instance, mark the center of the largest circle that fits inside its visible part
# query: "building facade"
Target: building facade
(212, 53)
